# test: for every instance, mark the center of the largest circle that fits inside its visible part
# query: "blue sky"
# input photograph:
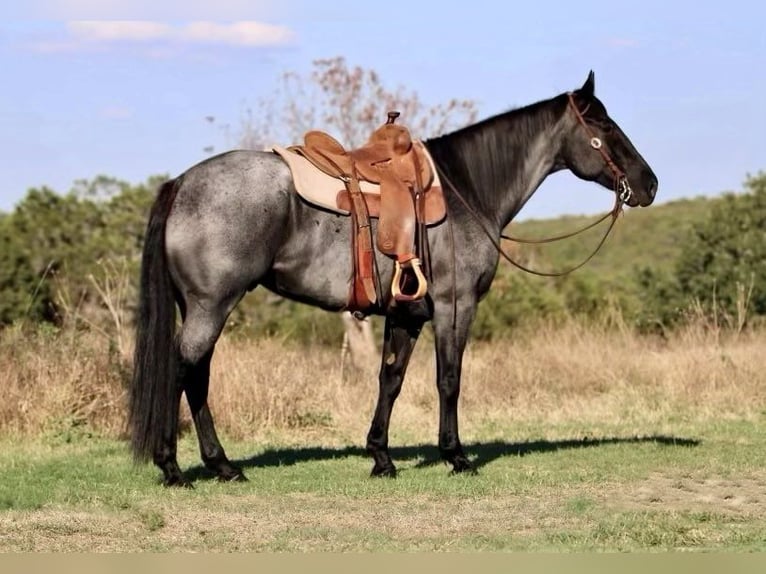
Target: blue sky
(83, 97)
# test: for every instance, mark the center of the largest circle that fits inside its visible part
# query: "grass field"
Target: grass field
(584, 439)
(703, 488)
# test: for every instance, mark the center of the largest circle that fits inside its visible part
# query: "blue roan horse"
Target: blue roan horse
(234, 222)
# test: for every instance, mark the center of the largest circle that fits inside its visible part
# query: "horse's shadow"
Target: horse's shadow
(480, 453)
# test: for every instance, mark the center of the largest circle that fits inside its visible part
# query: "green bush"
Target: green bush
(723, 263)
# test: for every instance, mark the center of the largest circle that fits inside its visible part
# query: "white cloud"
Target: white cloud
(244, 33)
(159, 37)
(116, 30)
(154, 9)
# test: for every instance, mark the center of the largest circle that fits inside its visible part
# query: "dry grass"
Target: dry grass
(614, 376)
(573, 374)
(52, 381)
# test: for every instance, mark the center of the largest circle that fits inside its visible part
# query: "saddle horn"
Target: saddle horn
(392, 115)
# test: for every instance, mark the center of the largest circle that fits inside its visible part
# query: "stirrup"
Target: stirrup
(396, 289)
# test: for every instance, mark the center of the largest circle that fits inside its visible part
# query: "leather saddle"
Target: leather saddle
(406, 203)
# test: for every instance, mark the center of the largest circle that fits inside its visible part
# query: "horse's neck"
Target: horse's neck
(523, 152)
(537, 161)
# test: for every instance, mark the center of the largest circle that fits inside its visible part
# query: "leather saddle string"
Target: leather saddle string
(354, 258)
(422, 250)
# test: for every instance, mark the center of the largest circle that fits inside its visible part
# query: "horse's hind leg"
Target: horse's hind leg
(398, 343)
(195, 384)
(197, 340)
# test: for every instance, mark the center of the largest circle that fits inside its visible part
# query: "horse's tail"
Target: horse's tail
(153, 390)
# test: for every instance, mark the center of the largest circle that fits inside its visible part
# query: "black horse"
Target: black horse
(234, 221)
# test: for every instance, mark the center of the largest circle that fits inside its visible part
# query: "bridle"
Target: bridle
(622, 193)
(621, 185)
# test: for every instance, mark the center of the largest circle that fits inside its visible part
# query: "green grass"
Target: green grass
(546, 490)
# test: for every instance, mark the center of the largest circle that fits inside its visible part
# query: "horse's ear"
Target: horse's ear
(589, 87)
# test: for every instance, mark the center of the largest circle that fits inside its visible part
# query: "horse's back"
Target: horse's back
(233, 184)
(238, 222)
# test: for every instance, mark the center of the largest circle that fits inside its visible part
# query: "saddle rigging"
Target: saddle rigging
(408, 201)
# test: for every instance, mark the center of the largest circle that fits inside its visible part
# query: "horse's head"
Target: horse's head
(596, 149)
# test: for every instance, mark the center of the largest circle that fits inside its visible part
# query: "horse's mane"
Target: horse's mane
(483, 156)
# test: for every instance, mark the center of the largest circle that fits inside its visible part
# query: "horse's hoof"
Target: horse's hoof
(178, 482)
(237, 476)
(387, 471)
(461, 465)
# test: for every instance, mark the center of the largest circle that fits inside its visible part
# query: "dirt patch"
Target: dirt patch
(744, 496)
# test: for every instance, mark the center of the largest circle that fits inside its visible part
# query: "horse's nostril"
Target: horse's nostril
(652, 189)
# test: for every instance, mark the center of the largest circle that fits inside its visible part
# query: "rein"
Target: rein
(622, 194)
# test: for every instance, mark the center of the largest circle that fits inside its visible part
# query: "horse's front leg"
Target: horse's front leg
(450, 337)
(399, 340)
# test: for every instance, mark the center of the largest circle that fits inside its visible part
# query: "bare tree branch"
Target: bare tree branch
(349, 102)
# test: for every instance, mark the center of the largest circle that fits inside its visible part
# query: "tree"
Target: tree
(349, 102)
(55, 247)
(723, 265)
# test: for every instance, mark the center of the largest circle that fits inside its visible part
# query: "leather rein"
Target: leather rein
(622, 194)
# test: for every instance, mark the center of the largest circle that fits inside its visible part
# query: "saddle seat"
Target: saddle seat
(389, 151)
(406, 203)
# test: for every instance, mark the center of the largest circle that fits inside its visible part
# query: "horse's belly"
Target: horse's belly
(322, 279)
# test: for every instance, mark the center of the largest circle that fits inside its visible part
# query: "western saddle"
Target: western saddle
(407, 202)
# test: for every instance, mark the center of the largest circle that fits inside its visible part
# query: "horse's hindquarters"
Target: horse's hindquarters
(227, 224)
